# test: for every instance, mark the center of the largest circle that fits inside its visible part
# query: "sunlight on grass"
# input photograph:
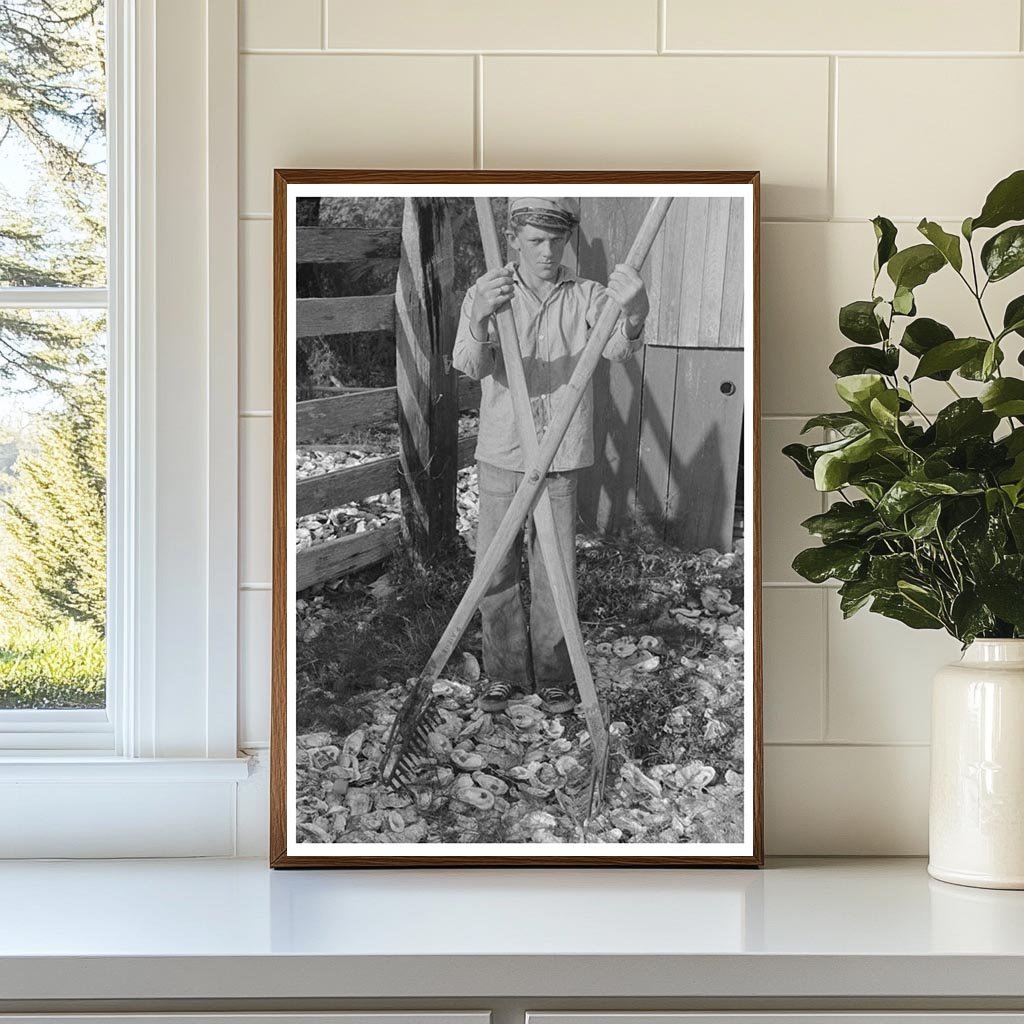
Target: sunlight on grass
(62, 667)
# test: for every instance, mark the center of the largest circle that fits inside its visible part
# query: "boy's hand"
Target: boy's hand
(493, 292)
(627, 289)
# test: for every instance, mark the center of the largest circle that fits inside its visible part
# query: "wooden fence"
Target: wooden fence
(425, 403)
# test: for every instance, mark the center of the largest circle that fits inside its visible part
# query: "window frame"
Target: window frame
(60, 730)
(170, 732)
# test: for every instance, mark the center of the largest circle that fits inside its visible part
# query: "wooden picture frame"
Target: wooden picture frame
(706, 370)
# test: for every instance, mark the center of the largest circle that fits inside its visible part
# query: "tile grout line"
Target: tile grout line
(1020, 25)
(768, 55)
(832, 144)
(824, 714)
(323, 24)
(478, 111)
(662, 30)
(852, 744)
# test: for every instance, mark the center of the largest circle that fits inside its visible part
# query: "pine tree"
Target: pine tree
(53, 118)
(53, 519)
(53, 122)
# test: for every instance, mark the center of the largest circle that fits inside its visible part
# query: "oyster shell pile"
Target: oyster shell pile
(671, 680)
(369, 513)
(514, 776)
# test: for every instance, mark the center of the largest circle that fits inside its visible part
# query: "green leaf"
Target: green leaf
(857, 321)
(991, 360)
(799, 455)
(947, 244)
(965, 228)
(906, 494)
(885, 236)
(1003, 254)
(849, 361)
(923, 335)
(925, 518)
(854, 594)
(966, 417)
(970, 617)
(1004, 397)
(912, 267)
(831, 471)
(843, 521)
(840, 561)
(1005, 596)
(885, 409)
(903, 302)
(832, 420)
(897, 607)
(1013, 317)
(974, 368)
(864, 446)
(1005, 202)
(887, 570)
(949, 355)
(858, 389)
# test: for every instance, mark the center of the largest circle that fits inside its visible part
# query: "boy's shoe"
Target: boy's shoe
(555, 700)
(495, 697)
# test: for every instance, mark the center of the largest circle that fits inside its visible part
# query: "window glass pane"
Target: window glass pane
(53, 151)
(52, 509)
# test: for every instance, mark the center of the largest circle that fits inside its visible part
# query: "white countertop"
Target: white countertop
(233, 929)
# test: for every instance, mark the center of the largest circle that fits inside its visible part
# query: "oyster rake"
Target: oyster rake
(407, 740)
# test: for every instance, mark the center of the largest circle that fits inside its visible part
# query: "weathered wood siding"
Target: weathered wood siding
(668, 423)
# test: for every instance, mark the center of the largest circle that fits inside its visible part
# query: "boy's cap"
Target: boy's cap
(545, 211)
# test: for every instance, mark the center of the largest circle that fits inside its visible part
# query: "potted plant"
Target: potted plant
(926, 524)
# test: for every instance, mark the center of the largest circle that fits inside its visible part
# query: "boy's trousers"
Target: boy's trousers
(511, 654)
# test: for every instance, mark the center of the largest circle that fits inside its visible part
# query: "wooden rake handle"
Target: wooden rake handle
(554, 557)
(533, 479)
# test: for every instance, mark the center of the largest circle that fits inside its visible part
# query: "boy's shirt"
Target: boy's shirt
(552, 337)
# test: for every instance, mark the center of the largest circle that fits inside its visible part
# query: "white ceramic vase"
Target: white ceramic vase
(976, 814)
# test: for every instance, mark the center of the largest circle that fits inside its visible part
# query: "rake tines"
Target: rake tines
(407, 747)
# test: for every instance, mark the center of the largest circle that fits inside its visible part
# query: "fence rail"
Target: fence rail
(346, 245)
(339, 414)
(341, 555)
(350, 315)
(425, 403)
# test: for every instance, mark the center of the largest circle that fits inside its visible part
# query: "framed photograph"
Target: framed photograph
(516, 559)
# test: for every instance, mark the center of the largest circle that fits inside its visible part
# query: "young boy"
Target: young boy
(554, 311)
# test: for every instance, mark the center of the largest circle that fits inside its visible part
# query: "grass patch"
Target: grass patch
(60, 667)
(374, 639)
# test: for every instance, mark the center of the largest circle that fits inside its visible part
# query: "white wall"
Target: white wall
(908, 110)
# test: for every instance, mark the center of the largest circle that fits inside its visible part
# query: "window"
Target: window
(155, 311)
(53, 372)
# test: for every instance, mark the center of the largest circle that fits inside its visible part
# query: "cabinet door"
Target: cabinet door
(785, 1017)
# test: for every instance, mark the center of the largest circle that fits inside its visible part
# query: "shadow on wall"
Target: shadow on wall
(667, 430)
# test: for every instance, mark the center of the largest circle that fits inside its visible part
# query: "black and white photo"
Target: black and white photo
(516, 559)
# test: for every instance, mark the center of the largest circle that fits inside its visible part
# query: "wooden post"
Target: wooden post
(428, 408)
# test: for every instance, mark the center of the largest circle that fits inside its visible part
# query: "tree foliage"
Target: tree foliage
(53, 234)
(53, 121)
(928, 522)
(53, 519)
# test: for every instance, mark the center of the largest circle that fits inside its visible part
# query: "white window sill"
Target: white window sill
(81, 767)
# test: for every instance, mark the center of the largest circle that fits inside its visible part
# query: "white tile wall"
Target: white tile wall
(471, 25)
(696, 113)
(970, 110)
(909, 110)
(873, 25)
(255, 325)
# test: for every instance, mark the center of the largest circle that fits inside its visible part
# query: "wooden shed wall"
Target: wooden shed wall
(669, 423)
